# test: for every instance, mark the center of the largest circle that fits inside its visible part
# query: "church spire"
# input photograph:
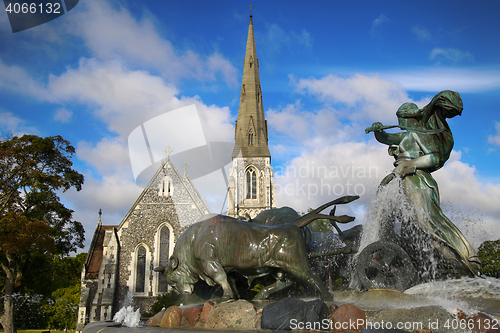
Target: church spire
(251, 185)
(251, 126)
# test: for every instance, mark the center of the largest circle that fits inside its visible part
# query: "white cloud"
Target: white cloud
(450, 54)
(113, 193)
(434, 79)
(290, 121)
(112, 33)
(108, 156)
(364, 97)
(422, 33)
(292, 126)
(475, 226)
(19, 80)
(495, 139)
(380, 20)
(63, 115)
(460, 186)
(303, 38)
(123, 98)
(11, 124)
(332, 171)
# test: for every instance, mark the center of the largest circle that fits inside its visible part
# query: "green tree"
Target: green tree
(67, 270)
(165, 300)
(30, 311)
(321, 225)
(489, 253)
(41, 278)
(33, 221)
(62, 310)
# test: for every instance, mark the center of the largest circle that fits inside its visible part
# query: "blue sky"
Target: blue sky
(328, 70)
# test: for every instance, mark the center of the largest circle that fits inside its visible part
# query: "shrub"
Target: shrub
(489, 253)
(164, 301)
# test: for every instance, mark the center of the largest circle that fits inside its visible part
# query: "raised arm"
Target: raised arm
(384, 137)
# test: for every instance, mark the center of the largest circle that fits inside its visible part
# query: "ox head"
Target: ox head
(177, 276)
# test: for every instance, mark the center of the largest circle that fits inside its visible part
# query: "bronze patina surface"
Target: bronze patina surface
(273, 243)
(421, 149)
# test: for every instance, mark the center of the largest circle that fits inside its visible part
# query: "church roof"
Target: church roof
(251, 127)
(94, 257)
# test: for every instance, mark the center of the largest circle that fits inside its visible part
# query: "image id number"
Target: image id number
(471, 324)
(25, 8)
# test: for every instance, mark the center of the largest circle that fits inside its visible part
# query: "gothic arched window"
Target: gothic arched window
(140, 269)
(164, 255)
(251, 181)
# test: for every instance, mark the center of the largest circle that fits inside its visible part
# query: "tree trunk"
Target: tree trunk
(7, 317)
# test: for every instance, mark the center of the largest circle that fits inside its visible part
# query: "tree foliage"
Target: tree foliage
(34, 224)
(164, 301)
(62, 309)
(489, 253)
(67, 270)
(39, 305)
(30, 311)
(320, 225)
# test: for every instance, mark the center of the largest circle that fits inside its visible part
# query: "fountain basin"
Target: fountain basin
(428, 304)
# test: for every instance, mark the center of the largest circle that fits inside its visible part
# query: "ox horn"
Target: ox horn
(314, 215)
(340, 201)
(160, 269)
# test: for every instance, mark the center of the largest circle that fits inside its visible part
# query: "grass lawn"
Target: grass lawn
(39, 331)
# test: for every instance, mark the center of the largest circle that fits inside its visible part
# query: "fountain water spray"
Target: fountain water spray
(391, 218)
(127, 316)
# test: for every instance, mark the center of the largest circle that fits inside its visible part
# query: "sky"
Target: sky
(109, 69)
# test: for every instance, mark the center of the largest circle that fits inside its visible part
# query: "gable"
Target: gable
(168, 189)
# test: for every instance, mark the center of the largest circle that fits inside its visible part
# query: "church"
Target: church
(119, 268)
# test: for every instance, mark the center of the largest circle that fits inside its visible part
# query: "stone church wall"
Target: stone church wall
(176, 209)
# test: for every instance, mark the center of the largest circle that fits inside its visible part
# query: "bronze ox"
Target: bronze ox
(213, 247)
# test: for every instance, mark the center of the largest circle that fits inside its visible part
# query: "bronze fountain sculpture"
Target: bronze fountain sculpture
(272, 243)
(277, 241)
(423, 148)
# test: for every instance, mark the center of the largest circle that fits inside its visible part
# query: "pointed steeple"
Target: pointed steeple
(251, 126)
(251, 186)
